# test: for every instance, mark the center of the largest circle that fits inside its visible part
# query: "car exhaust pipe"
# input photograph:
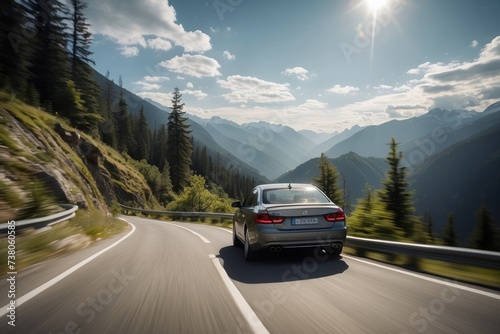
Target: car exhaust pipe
(336, 245)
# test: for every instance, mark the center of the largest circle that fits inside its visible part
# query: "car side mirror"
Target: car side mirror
(236, 204)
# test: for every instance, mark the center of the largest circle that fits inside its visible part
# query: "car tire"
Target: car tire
(250, 255)
(236, 241)
(336, 252)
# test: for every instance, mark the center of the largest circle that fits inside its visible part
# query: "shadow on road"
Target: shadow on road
(288, 265)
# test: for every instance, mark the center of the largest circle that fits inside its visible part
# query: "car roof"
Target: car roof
(284, 185)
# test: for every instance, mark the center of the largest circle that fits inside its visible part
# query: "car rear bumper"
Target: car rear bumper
(266, 236)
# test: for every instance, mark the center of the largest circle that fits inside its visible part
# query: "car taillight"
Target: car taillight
(335, 216)
(264, 218)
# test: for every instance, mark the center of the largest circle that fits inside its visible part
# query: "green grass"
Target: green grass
(34, 246)
(460, 272)
(10, 196)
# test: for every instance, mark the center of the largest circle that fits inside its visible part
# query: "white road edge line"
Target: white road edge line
(205, 240)
(434, 280)
(45, 286)
(223, 229)
(251, 318)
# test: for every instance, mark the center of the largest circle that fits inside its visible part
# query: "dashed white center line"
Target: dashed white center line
(245, 309)
(205, 240)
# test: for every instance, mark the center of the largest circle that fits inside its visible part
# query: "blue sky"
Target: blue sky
(322, 65)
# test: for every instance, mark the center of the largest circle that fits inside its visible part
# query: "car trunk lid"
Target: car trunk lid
(298, 217)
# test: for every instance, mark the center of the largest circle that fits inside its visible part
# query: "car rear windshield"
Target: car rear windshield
(294, 195)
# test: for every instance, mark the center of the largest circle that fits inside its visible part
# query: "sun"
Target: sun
(375, 5)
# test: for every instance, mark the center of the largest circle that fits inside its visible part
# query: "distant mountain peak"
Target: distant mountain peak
(220, 120)
(493, 108)
(445, 114)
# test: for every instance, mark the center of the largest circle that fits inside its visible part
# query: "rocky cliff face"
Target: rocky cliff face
(38, 150)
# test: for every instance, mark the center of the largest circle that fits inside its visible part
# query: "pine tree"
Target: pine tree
(81, 39)
(14, 49)
(395, 196)
(108, 127)
(142, 136)
(179, 144)
(361, 220)
(371, 219)
(49, 61)
(448, 232)
(328, 180)
(159, 147)
(125, 140)
(81, 72)
(483, 236)
(429, 224)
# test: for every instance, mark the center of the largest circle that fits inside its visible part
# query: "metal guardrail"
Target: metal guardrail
(441, 253)
(44, 221)
(180, 213)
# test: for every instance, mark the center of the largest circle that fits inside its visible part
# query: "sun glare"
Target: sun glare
(375, 5)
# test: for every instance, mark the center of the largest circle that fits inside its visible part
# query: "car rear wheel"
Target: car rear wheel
(236, 241)
(249, 254)
(336, 251)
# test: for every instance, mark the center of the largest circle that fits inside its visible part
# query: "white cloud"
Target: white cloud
(128, 21)
(228, 55)
(382, 87)
(194, 65)
(468, 82)
(159, 44)
(198, 94)
(155, 79)
(343, 90)
(250, 89)
(473, 84)
(402, 88)
(129, 51)
(466, 85)
(147, 85)
(312, 104)
(300, 72)
(189, 85)
(161, 98)
(403, 111)
(474, 44)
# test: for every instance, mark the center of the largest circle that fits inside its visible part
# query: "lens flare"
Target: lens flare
(375, 5)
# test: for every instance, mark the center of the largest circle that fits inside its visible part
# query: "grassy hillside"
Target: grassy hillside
(41, 166)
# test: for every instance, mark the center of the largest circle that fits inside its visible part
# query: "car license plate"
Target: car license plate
(304, 221)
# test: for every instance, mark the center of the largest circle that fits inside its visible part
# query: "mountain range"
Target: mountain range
(453, 156)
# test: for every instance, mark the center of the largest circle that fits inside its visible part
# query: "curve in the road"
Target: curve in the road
(23, 299)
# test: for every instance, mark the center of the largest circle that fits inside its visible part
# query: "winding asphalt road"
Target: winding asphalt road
(161, 277)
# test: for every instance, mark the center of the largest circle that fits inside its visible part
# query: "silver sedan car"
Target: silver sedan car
(287, 215)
